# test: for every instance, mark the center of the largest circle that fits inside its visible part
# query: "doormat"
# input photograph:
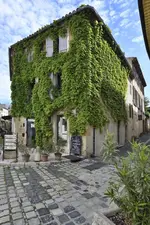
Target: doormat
(73, 158)
(95, 166)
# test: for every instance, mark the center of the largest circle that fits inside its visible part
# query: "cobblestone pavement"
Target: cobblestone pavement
(66, 193)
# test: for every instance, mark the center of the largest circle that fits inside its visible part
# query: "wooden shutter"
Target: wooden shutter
(64, 43)
(49, 47)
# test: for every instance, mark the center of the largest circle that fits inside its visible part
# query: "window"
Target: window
(64, 126)
(139, 117)
(130, 111)
(64, 43)
(130, 89)
(30, 56)
(49, 47)
(43, 46)
(59, 83)
(133, 95)
(30, 88)
(139, 104)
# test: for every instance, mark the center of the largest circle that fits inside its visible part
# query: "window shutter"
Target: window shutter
(51, 77)
(30, 56)
(64, 43)
(36, 80)
(49, 47)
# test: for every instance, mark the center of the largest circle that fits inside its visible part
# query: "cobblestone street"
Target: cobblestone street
(67, 193)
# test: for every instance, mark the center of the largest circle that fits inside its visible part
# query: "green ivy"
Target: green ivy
(94, 78)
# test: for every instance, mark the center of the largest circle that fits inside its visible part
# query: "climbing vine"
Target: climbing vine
(94, 78)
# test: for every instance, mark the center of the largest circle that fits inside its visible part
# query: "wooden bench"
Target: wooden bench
(10, 146)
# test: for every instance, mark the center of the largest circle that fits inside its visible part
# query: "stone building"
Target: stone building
(70, 80)
(135, 101)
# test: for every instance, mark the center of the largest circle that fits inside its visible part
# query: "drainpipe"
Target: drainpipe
(93, 154)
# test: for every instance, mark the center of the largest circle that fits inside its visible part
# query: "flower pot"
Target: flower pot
(25, 157)
(58, 155)
(44, 157)
(37, 156)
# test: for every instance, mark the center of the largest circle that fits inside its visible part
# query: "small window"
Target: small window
(64, 125)
(43, 46)
(130, 111)
(53, 78)
(23, 134)
(64, 43)
(58, 80)
(130, 89)
(30, 56)
(49, 47)
(23, 124)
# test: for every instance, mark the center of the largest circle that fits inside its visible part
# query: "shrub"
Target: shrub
(109, 148)
(131, 190)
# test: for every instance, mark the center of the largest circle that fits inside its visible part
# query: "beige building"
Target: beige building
(135, 101)
(92, 141)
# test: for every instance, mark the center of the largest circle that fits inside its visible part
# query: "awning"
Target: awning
(144, 9)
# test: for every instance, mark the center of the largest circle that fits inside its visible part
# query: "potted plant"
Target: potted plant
(47, 148)
(25, 152)
(61, 143)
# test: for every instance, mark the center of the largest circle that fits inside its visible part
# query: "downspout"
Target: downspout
(93, 154)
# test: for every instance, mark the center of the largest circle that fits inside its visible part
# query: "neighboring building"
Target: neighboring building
(144, 9)
(72, 84)
(3, 110)
(135, 101)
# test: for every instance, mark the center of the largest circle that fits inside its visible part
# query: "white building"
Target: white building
(3, 111)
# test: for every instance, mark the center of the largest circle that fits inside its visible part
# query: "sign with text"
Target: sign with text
(76, 144)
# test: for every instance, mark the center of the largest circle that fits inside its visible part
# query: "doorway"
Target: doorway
(30, 132)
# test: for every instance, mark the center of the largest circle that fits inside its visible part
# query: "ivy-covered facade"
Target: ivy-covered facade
(91, 76)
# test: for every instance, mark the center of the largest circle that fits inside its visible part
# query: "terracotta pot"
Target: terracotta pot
(44, 157)
(26, 157)
(58, 155)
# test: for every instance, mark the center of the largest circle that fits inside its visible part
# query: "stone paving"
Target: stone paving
(66, 193)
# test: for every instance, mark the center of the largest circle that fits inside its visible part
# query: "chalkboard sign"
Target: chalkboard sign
(76, 144)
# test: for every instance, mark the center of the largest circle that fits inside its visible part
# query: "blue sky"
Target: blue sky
(20, 18)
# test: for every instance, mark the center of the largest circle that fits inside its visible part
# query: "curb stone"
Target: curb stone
(100, 219)
(33, 164)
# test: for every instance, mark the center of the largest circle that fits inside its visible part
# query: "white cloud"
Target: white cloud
(138, 39)
(112, 13)
(125, 13)
(129, 24)
(124, 4)
(116, 34)
(124, 22)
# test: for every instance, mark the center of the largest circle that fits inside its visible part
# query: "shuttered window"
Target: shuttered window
(30, 56)
(36, 80)
(49, 47)
(64, 43)
(130, 111)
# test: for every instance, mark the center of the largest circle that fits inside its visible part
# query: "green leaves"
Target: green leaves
(133, 174)
(109, 148)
